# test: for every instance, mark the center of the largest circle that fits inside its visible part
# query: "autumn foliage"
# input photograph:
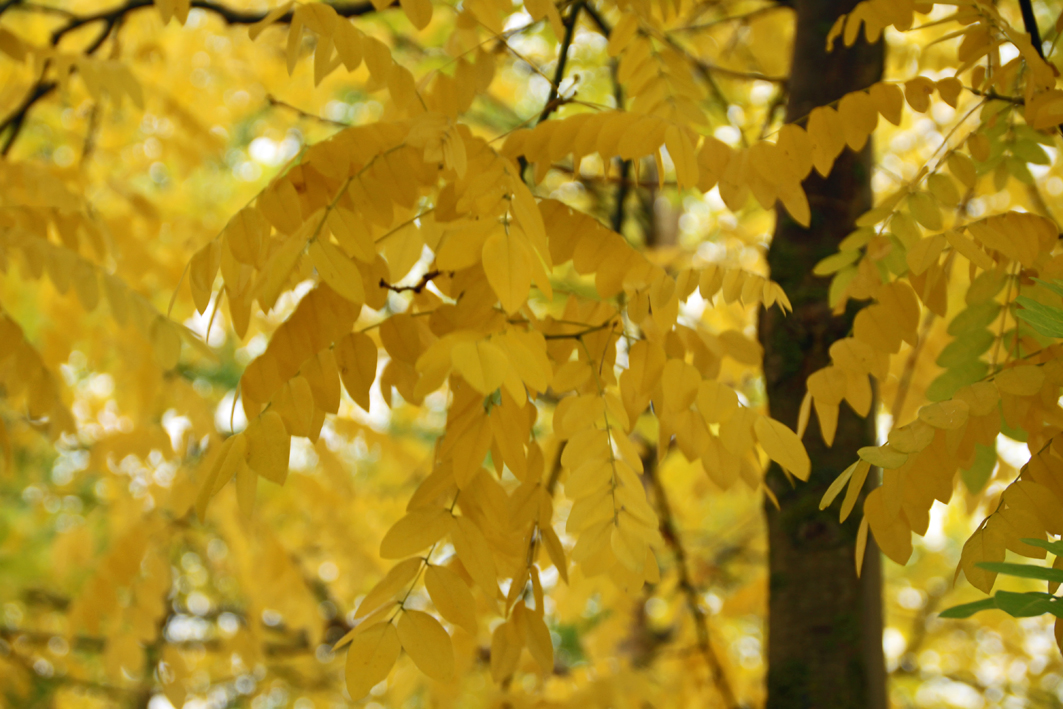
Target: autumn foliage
(472, 288)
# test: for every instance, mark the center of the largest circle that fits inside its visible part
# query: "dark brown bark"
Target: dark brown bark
(825, 624)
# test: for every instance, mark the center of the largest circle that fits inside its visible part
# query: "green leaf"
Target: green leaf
(1016, 433)
(1056, 286)
(950, 381)
(1027, 605)
(970, 346)
(835, 262)
(1045, 319)
(966, 610)
(1026, 571)
(976, 476)
(974, 317)
(1054, 547)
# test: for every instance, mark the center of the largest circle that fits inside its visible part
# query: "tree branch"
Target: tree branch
(701, 624)
(552, 103)
(111, 18)
(1030, 24)
(230, 15)
(742, 19)
(17, 118)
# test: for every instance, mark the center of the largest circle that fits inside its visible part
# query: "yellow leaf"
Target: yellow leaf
(986, 544)
(917, 92)
(246, 484)
(925, 253)
(230, 457)
(337, 270)
(427, 644)
(451, 596)
(201, 274)
(856, 485)
(507, 263)
(482, 364)
(419, 12)
(861, 545)
(949, 89)
(892, 533)
(966, 246)
(889, 101)
(883, 456)
(272, 16)
(165, 343)
(836, 487)
(623, 32)
(356, 358)
(926, 210)
(506, 644)
(555, 551)
(537, 638)
(165, 8)
(370, 658)
(277, 271)
(295, 404)
(475, 554)
(1024, 380)
(324, 379)
(390, 586)
(418, 530)
(783, 446)
(948, 415)
(352, 234)
(180, 10)
(681, 151)
(268, 447)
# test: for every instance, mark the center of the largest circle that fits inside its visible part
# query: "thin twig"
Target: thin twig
(742, 19)
(420, 286)
(552, 101)
(1029, 22)
(701, 623)
(15, 121)
(277, 103)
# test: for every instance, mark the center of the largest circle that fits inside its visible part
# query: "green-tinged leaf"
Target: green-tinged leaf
(1054, 547)
(971, 345)
(1056, 286)
(370, 657)
(1026, 571)
(974, 317)
(835, 262)
(966, 610)
(1027, 605)
(836, 487)
(976, 476)
(1046, 320)
(953, 379)
(883, 456)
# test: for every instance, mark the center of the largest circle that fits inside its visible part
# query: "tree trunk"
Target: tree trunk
(824, 624)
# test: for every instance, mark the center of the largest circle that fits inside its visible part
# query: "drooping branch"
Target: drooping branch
(1029, 22)
(17, 118)
(14, 122)
(743, 19)
(231, 16)
(419, 286)
(552, 101)
(701, 623)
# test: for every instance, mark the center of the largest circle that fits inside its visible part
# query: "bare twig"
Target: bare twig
(420, 286)
(553, 101)
(15, 121)
(701, 623)
(741, 19)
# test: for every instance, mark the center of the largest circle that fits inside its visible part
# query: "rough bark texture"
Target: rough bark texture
(825, 625)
